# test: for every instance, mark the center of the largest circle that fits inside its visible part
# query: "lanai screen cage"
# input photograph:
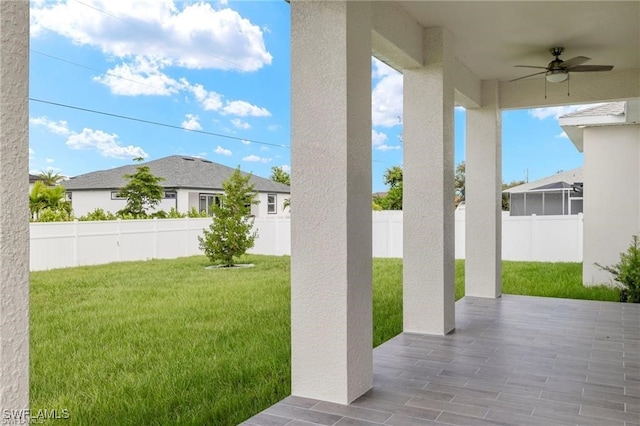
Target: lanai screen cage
(558, 198)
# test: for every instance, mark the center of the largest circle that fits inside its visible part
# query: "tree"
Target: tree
(230, 234)
(393, 199)
(49, 177)
(142, 191)
(279, 175)
(49, 199)
(459, 179)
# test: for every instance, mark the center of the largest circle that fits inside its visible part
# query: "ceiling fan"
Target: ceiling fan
(558, 70)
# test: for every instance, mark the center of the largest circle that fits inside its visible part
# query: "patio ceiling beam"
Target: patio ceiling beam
(468, 87)
(583, 88)
(14, 210)
(396, 37)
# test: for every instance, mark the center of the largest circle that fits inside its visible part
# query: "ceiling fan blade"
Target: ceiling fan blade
(527, 76)
(591, 68)
(529, 66)
(578, 60)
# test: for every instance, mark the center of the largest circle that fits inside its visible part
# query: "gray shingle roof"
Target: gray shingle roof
(569, 177)
(612, 108)
(178, 171)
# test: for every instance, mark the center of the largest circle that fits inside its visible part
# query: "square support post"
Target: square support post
(483, 194)
(14, 211)
(428, 191)
(331, 266)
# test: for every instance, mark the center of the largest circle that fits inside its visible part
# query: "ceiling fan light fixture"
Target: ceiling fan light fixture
(557, 76)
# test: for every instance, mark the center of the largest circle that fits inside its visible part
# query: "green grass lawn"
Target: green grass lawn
(168, 342)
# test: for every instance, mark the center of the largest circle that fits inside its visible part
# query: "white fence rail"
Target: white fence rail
(66, 244)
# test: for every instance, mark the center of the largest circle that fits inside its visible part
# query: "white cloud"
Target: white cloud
(386, 97)
(209, 100)
(49, 160)
(378, 138)
(255, 159)
(191, 122)
(141, 76)
(31, 153)
(240, 124)
(243, 109)
(188, 35)
(286, 168)
(273, 127)
(220, 150)
(556, 112)
(562, 135)
(246, 142)
(58, 127)
(385, 147)
(106, 144)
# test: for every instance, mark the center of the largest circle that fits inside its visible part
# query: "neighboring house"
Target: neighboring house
(189, 183)
(609, 136)
(560, 194)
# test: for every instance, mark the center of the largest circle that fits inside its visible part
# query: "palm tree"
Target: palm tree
(50, 178)
(47, 197)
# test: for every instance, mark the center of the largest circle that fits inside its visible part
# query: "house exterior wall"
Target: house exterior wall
(612, 196)
(85, 201)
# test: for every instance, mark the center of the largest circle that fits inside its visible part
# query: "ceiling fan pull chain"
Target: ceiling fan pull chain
(545, 88)
(568, 84)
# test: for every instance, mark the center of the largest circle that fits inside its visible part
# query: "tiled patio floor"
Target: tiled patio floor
(513, 361)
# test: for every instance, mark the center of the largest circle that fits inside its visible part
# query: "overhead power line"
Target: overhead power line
(156, 123)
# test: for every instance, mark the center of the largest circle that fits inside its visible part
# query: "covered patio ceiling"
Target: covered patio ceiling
(490, 38)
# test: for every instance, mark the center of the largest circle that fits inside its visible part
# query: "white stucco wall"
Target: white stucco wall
(612, 196)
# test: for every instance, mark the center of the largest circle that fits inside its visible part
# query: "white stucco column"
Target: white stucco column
(14, 209)
(483, 201)
(331, 268)
(428, 191)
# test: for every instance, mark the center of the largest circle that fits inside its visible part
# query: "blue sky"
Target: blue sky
(220, 67)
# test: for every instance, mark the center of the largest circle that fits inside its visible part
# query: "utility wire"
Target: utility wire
(66, 61)
(156, 123)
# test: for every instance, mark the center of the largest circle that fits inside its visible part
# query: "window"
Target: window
(116, 196)
(272, 203)
(206, 201)
(68, 196)
(170, 194)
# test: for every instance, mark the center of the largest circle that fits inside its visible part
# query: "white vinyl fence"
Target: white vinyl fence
(66, 244)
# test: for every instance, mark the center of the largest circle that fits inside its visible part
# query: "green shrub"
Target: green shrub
(195, 213)
(50, 215)
(98, 214)
(175, 214)
(627, 272)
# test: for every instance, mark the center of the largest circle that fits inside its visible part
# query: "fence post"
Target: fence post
(534, 232)
(119, 230)
(75, 242)
(155, 238)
